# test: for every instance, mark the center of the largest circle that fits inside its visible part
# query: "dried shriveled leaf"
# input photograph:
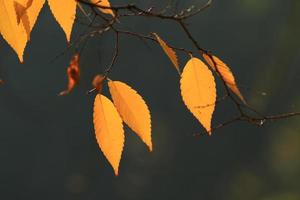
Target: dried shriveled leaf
(64, 13)
(73, 72)
(133, 110)
(169, 51)
(198, 90)
(18, 34)
(224, 71)
(104, 3)
(109, 130)
(98, 82)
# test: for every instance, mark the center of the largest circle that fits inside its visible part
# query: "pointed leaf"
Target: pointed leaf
(132, 109)
(64, 13)
(18, 34)
(224, 71)
(73, 73)
(21, 8)
(10, 30)
(198, 90)
(31, 14)
(169, 51)
(109, 130)
(104, 3)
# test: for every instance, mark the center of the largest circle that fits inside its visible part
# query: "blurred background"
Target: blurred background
(47, 143)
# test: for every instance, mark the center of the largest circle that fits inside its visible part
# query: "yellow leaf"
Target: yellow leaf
(132, 109)
(198, 90)
(31, 14)
(169, 51)
(109, 130)
(64, 13)
(103, 3)
(224, 71)
(18, 34)
(21, 8)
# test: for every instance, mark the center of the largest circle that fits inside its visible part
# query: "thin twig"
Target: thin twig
(244, 111)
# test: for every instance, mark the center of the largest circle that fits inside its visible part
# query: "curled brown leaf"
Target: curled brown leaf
(98, 82)
(73, 73)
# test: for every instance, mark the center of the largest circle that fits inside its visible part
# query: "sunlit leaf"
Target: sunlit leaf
(9, 28)
(109, 130)
(27, 12)
(21, 7)
(224, 71)
(104, 3)
(64, 13)
(169, 51)
(132, 109)
(18, 34)
(73, 72)
(198, 90)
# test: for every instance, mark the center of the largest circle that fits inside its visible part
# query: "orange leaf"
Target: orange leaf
(224, 71)
(109, 130)
(132, 109)
(21, 9)
(10, 30)
(169, 51)
(64, 13)
(73, 73)
(18, 34)
(198, 90)
(104, 3)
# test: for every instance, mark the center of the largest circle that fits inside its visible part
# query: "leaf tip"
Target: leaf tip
(150, 148)
(21, 57)
(116, 171)
(209, 132)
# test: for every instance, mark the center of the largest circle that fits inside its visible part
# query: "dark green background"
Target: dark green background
(47, 143)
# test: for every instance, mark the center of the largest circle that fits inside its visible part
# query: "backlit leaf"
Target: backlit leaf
(169, 51)
(109, 130)
(31, 14)
(224, 71)
(133, 110)
(21, 8)
(198, 90)
(64, 13)
(104, 3)
(18, 34)
(73, 72)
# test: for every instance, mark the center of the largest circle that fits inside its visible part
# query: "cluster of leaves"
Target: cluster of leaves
(18, 18)
(197, 82)
(198, 90)
(128, 105)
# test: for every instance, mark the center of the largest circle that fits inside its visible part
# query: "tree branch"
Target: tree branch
(131, 10)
